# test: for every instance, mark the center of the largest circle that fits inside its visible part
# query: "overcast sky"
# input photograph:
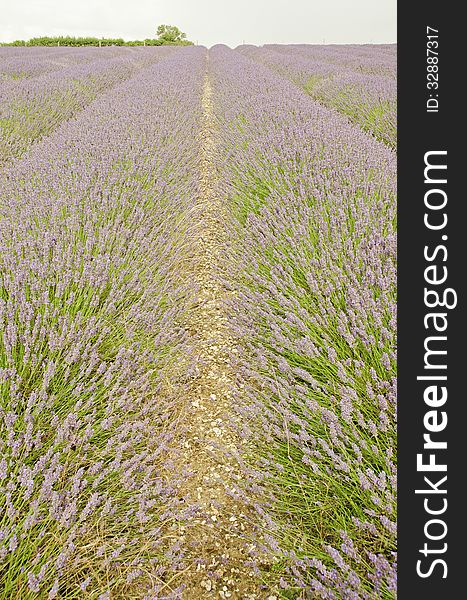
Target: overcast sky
(206, 22)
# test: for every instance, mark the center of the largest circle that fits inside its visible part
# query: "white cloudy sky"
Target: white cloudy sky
(207, 22)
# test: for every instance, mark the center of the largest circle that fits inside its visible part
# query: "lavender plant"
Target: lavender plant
(94, 228)
(314, 200)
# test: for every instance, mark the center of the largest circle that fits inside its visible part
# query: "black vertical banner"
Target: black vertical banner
(431, 303)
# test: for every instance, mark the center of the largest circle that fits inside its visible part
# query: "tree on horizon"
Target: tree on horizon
(170, 34)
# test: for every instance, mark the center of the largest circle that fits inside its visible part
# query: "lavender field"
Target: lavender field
(198, 323)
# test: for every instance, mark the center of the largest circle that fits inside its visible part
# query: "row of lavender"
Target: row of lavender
(94, 224)
(314, 204)
(34, 107)
(359, 82)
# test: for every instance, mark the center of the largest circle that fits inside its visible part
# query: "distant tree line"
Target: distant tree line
(167, 35)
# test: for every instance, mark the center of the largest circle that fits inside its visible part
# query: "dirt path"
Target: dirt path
(215, 546)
